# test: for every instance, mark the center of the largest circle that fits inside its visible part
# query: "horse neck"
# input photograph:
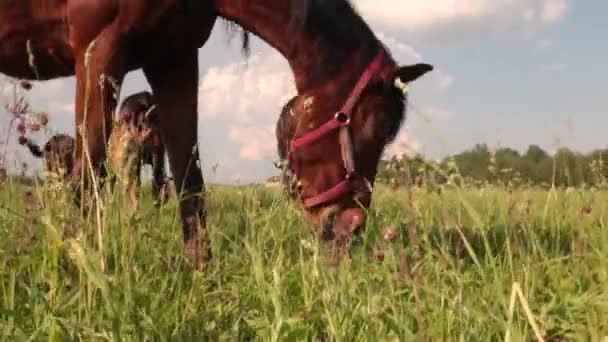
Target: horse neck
(315, 61)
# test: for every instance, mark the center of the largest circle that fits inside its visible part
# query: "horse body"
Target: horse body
(57, 154)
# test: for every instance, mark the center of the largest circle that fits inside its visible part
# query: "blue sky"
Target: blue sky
(508, 73)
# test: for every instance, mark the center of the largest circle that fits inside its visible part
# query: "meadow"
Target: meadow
(469, 263)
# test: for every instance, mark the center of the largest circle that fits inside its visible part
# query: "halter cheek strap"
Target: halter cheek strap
(341, 120)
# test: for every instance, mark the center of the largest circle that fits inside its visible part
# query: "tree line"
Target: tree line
(482, 165)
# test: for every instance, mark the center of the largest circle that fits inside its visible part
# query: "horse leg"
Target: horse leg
(158, 171)
(100, 69)
(157, 159)
(175, 84)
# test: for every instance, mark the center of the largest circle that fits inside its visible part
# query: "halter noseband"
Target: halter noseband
(341, 120)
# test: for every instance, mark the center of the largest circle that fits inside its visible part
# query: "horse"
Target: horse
(135, 141)
(57, 153)
(351, 111)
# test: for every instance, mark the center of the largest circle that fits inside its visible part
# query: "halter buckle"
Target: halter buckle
(342, 118)
(350, 176)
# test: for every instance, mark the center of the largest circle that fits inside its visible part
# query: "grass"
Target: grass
(453, 271)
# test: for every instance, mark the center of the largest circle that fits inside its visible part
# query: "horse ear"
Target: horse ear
(409, 73)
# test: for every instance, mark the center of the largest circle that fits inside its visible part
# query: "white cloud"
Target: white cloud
(450, 20)
(553, 10)
(247, 92)
(68, 108)
(403, 144)
(49, 88)
(256, 142)
(406, 141)
(445, 81)
(432, 114)
(529, 15)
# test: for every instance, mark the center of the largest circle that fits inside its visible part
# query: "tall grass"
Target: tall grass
(465, 265)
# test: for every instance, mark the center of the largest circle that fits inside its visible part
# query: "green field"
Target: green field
(452, 273)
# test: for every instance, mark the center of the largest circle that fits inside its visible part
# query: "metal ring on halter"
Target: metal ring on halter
(342, 118)
(349, 176)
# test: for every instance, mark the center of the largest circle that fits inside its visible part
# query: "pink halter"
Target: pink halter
(341, 121)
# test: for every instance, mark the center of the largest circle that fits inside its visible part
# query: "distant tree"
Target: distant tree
(568, 168)
(474, 163)
(535, 154)
(505, 166)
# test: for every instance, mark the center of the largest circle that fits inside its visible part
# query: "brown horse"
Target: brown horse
(57, 153)
(135, 141)
(338, 64)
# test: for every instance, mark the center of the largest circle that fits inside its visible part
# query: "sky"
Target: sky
(507, 73)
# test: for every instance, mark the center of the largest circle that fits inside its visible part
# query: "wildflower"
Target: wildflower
(34, 126)
(42, 118)
(21, 127)
(389, 234)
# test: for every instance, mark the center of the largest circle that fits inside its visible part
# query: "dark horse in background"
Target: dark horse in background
(346, 76)
(57, 154)
(137, 140)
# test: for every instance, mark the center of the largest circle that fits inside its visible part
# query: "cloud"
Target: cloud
(432, 114)
(49, 88)
(553, 10)
(407, 141)
(247, 92)
(404, 144)
(445, 81)
(256, 142)
(450, 20)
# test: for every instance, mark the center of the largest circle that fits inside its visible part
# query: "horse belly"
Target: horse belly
(34, 41)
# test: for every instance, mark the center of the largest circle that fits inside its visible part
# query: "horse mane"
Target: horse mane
(285, 128)
(232, 28)
(337, 23)
(339, 26)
